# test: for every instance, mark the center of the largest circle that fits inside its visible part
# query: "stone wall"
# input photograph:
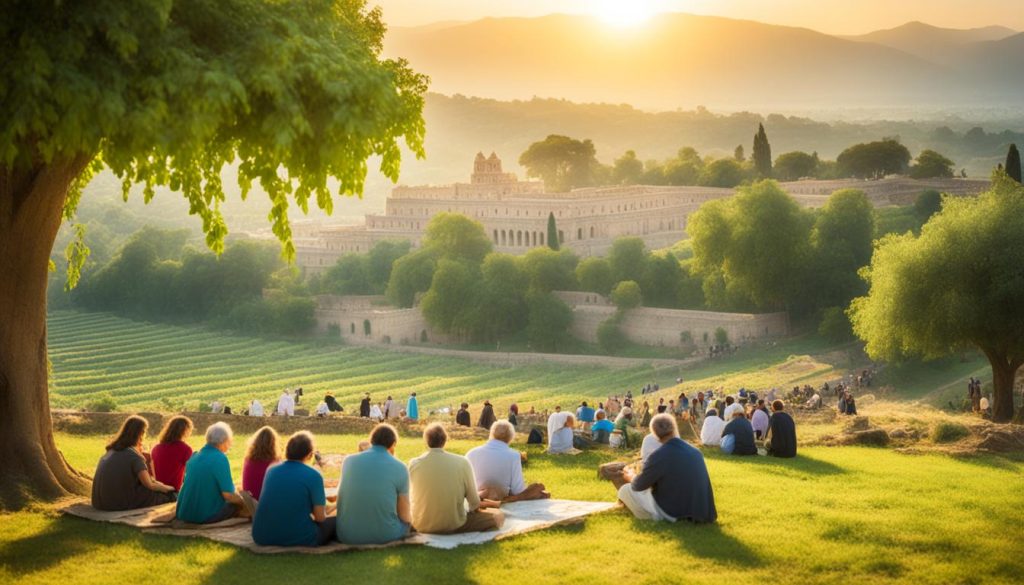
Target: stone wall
(665, 327)
(366, 320)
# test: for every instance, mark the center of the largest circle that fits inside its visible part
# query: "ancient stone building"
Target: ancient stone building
(514, 213)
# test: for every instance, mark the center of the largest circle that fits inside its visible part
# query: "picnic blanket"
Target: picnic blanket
(520, 518)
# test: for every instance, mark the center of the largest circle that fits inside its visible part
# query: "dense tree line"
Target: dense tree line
(155, 275)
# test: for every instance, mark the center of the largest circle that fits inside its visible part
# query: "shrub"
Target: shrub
(103, 402)
(835, 325)
(949, 432)
(610, 338)
(721, 336)
(627, 295)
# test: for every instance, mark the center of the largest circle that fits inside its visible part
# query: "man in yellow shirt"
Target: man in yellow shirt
(443, 488)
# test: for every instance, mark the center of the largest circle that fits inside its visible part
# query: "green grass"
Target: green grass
(833, 515)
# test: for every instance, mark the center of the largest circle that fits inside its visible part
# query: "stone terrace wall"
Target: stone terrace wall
(664, 327)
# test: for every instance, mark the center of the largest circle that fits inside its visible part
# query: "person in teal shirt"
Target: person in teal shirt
(292, 507)
(412, 409)
(602, 429)
(208, 493)
(373, 498)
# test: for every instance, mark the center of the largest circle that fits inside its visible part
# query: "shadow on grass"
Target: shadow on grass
(706, 541)
(800, 463)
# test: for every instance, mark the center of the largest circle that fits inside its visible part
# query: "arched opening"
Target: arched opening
(542, 236)
(519, 238)
(503, 239)
(495, 237)
(366, 327)
(579, 233)
(591, 231)
(561, 237)
(352, 329)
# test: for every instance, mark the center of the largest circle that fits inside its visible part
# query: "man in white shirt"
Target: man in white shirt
(322, 409)
(731, 406)
(286, 404)
(711, 432)
(255, 408)
(498, 468)
(650, 445)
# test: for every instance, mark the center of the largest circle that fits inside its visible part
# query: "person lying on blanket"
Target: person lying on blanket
(208, 494)
(292, 510)
(498, 469)
(443, 488)
(123, 479)
(373, 497)
(674, 484)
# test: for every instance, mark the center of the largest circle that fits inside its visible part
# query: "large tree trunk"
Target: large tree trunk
(1004, 371)
(31, 202)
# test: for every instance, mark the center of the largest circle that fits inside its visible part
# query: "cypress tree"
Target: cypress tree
(1013, 163)
(552, 233)
(762, 153)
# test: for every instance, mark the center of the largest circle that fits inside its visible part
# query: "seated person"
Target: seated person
(373, 497)
(443, 488)
(674, 484)
(585, 414)
(602, 429)
(332, 404)
(738, 436)
(286, 404)
(711, 432)
(123, 480)
(649, 445)
(322, 409)
(623, 422)
(759, 422)
(814, 402)
(780, 439)
(255, 408)
(172, 452)
(560, 439)
(292, 508)
(261, 453)
(208, 493)
(731, 406)
(498, 469)
(462, 416)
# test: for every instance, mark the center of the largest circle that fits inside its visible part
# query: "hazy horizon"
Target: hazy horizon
(827, 16)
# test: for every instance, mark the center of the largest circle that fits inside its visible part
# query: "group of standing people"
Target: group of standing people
(390, 409)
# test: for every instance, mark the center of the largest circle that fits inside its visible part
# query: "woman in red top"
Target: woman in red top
(172, 452)
(263, 452)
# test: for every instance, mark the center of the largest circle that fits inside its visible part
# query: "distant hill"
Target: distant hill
(933, 43)
(682, 60)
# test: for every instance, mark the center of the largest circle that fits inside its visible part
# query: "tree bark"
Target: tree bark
(31, 202)
(1004, 372)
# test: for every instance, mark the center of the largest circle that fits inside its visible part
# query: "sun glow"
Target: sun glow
(623, 13)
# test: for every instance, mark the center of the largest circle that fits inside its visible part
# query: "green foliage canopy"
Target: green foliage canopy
(930, 164)
(563, 163)
(874, 160)
(795, 165)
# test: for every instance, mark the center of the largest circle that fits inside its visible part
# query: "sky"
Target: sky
(828, 16)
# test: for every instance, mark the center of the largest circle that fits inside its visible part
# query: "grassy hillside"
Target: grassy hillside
(833, 515)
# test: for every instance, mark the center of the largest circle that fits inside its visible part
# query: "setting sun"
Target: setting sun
(623, 13)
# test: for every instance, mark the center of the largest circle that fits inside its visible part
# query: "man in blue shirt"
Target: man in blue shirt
(585, 415)
(373, 498)
(738, 436)
(603, 428)
(208, 493)
(292, 507)
(674, 484)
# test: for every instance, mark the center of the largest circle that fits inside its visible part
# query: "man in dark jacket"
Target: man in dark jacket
(781, 437)
(364, 407)
(674, 484)
(462, 416)
(742, 433)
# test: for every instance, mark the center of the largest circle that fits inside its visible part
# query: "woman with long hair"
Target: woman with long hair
(123, 480)
(172, 452)
(513, 415)
(262, 452)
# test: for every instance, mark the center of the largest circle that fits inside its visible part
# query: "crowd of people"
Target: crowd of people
(380, 499)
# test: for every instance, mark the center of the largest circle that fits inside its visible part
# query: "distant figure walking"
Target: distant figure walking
(412, 409)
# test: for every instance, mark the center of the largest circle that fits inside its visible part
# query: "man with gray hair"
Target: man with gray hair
(674, 484)
(498, 468)
(208, 494)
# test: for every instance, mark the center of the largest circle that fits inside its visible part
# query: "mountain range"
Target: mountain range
(681, 60)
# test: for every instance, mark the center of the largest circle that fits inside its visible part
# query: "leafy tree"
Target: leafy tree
(930, 164)
(452, 302)
(548, 270)
(610, 337)
(503, 305)
(168, 93)
(721, 336)
(553, 239)
(595, 275)
(724, 172)
(627, 295)
(1013, 168)
(795, 165)
(654, 173)
(563, 163)
(739, 154)
(411, 274)
(753, 245)
(874, 160)
(628, 169)
(454, 236)
(835, 325)
(842, 244)
(348, 276)
(957, 285)
(381, 259)
(762, 153)
(662, 280)
(628, 259)
(549, 322)
(684, 169)
(927, 204)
